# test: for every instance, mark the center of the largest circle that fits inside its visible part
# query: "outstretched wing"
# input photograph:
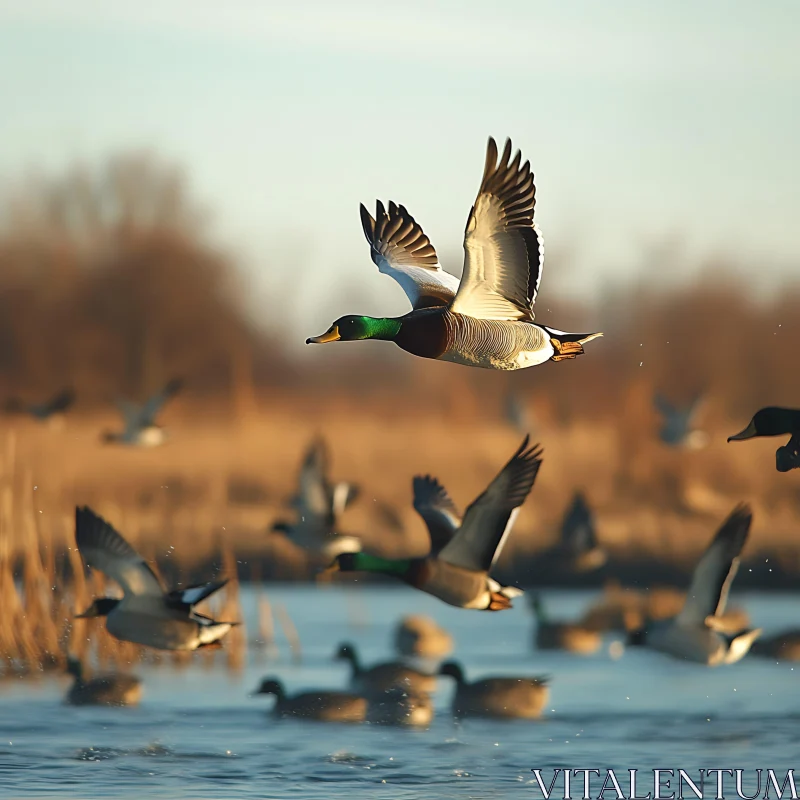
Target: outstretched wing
(401, 249)
(503, 250)
(434, 505)
(489, 519)
(104, 549)
(157, 401)
(60, 403)
(714, 573)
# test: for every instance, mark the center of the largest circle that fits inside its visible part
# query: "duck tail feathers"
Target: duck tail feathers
(568, 345)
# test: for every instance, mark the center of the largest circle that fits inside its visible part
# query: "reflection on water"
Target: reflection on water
(197, 733)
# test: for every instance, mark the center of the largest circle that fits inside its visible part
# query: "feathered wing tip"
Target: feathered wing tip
(92, 532)
(429, 493)
(317, 455)
(397, 235)
(522, 469)
(512, 182)
(734, 531)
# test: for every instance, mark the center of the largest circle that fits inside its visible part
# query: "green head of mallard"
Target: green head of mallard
(353, 328)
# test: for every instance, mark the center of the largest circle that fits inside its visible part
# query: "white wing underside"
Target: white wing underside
(503, 249)
(420, 282)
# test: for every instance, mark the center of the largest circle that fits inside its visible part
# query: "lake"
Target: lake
(197, 733)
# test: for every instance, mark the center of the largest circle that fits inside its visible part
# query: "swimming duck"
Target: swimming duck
(320, 504)
(506, 697)
(694, 634)
(459, 573)
(141, 429)
(321, 706)
(103, 690)
(677, 430)
(417, 635)
(53, 407)
(774, 421)
(783, 646)
(382, 677)
(486, 318)
(570, 636)
(402, 708)
(145, 614)
(578, 551)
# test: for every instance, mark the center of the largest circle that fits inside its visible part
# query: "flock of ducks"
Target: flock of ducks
(485, 319)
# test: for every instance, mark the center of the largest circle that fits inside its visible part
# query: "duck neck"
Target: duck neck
(364, 562)
(383, 328)
(538, 610)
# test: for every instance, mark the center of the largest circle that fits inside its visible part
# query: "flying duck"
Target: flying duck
(320, 504)
(458, 573)
(506, 697)
(486, 319)
(381, 678)
(774, 421)
(676, 428)
(146, 614)
(321, 706)
(141, 429)
(694, 634)
(103, 690)
(578, 550)
(52, 408)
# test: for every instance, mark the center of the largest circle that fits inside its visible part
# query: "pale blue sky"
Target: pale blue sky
(643, 121)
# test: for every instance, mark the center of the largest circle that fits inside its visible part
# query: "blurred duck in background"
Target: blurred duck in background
(382, 677)
(458, 574)
(146, 614)
(141, 429)
(497, 697)
(677, 423)
(774, 421)
(554, 635)
(103, 690)
(51, 411)
(401, 708)
(420, 636)
(319, 504)
(694, 634)
(322, 706)
(516, 413)
(578, 550)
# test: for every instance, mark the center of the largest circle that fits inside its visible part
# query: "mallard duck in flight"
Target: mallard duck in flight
(486, 318)
(457, 569)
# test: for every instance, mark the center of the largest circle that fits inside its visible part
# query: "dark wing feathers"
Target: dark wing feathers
(716, 569)
(489, 519)
(437, 509)
(103, 548)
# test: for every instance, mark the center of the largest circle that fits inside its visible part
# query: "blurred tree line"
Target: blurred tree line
(109, 284)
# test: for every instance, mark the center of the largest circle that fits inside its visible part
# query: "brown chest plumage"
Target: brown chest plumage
(424, 332)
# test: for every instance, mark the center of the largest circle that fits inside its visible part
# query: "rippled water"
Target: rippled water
(197, 734)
